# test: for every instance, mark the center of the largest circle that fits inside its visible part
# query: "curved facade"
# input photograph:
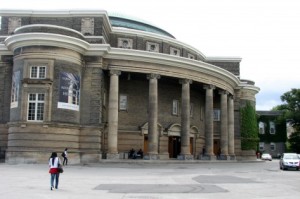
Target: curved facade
(72, 79)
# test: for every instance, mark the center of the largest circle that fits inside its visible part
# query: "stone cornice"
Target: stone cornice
(244, 86)
(32, 39)
(59, 13)
(166, 59)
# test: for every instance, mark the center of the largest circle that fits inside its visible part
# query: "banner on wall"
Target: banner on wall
(15, 89)
(69, 91)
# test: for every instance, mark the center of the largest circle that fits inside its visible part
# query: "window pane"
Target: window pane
(34, 72)
(32, 97)
(40, 111)
(31, 111)
(41, 97)
(42, 72)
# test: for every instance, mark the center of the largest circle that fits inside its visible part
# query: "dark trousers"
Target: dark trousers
(65, 161)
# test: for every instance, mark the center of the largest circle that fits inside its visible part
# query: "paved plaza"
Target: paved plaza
(138, 179)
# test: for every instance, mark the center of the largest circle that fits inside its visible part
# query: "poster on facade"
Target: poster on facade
(15, 89)
(69, 91)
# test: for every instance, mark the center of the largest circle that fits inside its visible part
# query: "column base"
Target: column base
(185, 157)
(232, 157)
(164, 156)
(207, 157)
(112, 156)
(151, 157)
(223, 157)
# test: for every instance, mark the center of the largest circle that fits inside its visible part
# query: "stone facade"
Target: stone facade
(72, 79)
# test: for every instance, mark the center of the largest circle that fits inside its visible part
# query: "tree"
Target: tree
(291, 109)
(294, 141)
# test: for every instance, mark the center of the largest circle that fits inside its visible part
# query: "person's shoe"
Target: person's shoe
(51, 188)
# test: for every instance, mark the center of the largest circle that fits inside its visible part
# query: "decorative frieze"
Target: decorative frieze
(125, 43)
(87, 26)
(13, 23)
(174, 51)
(152, 47)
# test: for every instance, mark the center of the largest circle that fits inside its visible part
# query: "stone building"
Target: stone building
(101, 84)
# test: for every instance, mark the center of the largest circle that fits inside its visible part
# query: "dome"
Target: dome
(124, 21)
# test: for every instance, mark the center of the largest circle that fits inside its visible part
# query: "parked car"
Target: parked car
(266, 156)
(289, 160)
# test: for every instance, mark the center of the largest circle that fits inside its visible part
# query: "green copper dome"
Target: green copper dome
(119, 20)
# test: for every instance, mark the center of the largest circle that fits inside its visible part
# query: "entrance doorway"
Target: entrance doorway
(174, 146)
(145, 144)
(217, 147)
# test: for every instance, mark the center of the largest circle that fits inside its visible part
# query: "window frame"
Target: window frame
(123, 102)
(38, 107)
(272, 127)
(38, 72)
(261, 126)
(261, 146)
(175, 107)
(272, 146)
(217, 115)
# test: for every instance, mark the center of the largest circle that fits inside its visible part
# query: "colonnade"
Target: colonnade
(227, 120)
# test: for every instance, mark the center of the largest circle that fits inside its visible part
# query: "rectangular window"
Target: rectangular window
(123, 102)
(261, 126)
(272, 128)
(38, 72)
(191, 109)
(272, 146)
(217, 113)
(36, 107)
(261, 146)
(175, 107)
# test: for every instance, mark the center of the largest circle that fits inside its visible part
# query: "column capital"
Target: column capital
(223, 92)
(114, 72)
(185, 81)
(153, 76)
(230, 96)
(209, 86)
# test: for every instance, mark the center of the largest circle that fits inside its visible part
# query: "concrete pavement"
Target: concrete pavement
(146, 180)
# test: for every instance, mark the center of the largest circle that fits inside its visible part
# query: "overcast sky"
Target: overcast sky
(264, 33)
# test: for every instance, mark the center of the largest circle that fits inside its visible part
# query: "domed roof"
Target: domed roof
(124, 21)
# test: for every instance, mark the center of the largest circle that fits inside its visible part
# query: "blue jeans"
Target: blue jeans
(56, 177)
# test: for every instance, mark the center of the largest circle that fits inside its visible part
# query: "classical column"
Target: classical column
(224, 125)
(185, 153)
(152, 118)
(231, 128)
(112, 140)
(209, 123)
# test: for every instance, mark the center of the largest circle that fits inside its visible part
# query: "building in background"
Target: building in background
(101, 84)
(272, 133)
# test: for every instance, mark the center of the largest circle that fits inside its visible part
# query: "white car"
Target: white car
(266, 156)
(289, 160)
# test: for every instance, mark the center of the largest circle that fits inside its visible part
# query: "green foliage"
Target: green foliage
(249, 128)
(294, 141)
(291, 107)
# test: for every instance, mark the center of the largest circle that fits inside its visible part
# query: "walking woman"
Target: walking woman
(65, 156)
(54, 163)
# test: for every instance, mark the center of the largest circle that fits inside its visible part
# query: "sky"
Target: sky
(264, 33)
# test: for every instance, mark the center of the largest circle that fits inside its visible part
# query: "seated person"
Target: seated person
(131, 153)
(140, 154)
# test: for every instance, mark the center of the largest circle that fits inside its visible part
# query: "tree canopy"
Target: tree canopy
(291, 109)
